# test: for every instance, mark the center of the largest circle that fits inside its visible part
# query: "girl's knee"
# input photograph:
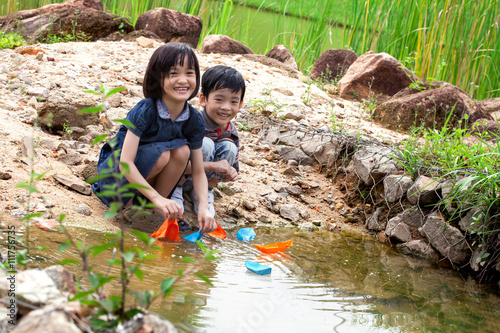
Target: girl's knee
(181, 153)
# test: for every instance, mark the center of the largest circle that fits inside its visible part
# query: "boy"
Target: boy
(222, 92)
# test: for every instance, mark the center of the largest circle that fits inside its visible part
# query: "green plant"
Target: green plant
(110, 311)
(306, 98)
(65, 37)
(9, 40)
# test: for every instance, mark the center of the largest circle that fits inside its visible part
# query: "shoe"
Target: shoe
(183, 225)
(210, 202)
(177, 197)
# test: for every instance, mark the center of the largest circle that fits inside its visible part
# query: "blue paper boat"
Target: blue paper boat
(195, 236)
(245, 234)
(257, 268)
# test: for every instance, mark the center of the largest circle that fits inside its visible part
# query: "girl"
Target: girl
(167, 132)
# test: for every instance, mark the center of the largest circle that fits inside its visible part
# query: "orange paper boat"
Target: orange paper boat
(169, 231)
(276, 247)
(218, 233)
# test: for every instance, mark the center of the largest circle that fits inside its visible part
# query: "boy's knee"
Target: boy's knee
(227, 151)
(208, 149)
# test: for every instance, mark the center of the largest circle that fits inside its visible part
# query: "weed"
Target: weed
(9, 40)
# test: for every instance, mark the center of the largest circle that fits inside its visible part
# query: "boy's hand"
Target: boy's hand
(224, 169)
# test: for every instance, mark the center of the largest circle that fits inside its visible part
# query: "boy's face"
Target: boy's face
(221, 106)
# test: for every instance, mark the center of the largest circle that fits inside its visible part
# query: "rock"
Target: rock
(397, 230)
(289, 212)
(90, 170)
(249, 205)
(413, 217)
(59, 19)
(145, 42)
(490, 105)
(307, 226)
(472, 221)
(40, 92)
(75, 184)
(158, 324)
(375, 222)
(375, 75)
(282, 54)
(223, 44)
(83, 209)
(294, 190)
(446, 239)
(419, 248)
(430, 108)
(71, 159)
(333, 64)
(63, 279)
(171, 26)
(395, 187)
(372, 164)
(324, 149)
(33, 288)
(53, 318)
(424, 192)
(5, 175)
(60, 114)
(291, 153)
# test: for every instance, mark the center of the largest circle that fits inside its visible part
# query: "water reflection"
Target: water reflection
(325, 282)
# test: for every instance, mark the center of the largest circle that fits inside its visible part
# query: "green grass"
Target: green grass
(454, 41)
(9, 40)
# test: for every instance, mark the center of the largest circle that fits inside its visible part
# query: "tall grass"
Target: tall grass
(455, 41)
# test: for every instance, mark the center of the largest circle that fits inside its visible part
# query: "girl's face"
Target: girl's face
(179, 83)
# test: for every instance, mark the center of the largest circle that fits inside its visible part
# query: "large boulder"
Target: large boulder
(282, 54)
(171, 26)
(375, 75)
(58, 114)
(446, 239)
(80, 19)
(223, 44)
(428, 106)
(490, 105)
(333, 64)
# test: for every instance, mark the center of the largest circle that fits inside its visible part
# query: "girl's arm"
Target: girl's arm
(200, 184)
(169, 208)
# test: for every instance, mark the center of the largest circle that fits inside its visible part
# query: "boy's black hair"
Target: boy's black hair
(222, 77)
(165, 57)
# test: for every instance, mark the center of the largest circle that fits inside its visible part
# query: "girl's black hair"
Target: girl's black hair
(222, 77)
(165, 57)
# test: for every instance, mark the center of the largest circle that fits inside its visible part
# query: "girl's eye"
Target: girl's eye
(173, 73)
(190, 72)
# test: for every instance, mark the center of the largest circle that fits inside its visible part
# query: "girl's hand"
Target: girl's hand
(206, 221)
(169, 208)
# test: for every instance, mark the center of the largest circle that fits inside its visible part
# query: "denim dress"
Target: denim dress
(157, 133)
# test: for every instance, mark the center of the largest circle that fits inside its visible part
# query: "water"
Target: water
(325, 282)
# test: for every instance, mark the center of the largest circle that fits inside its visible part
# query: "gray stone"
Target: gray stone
(424, 192)
(75, 184)
(374, 223)
(83, 209)
(395, 187)
(372, 164)
(294, 190)
(446, 239)
(413, 217)
(419, 248)
(471, 222)
(291, 153)
(290, 212)
(397, 230)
